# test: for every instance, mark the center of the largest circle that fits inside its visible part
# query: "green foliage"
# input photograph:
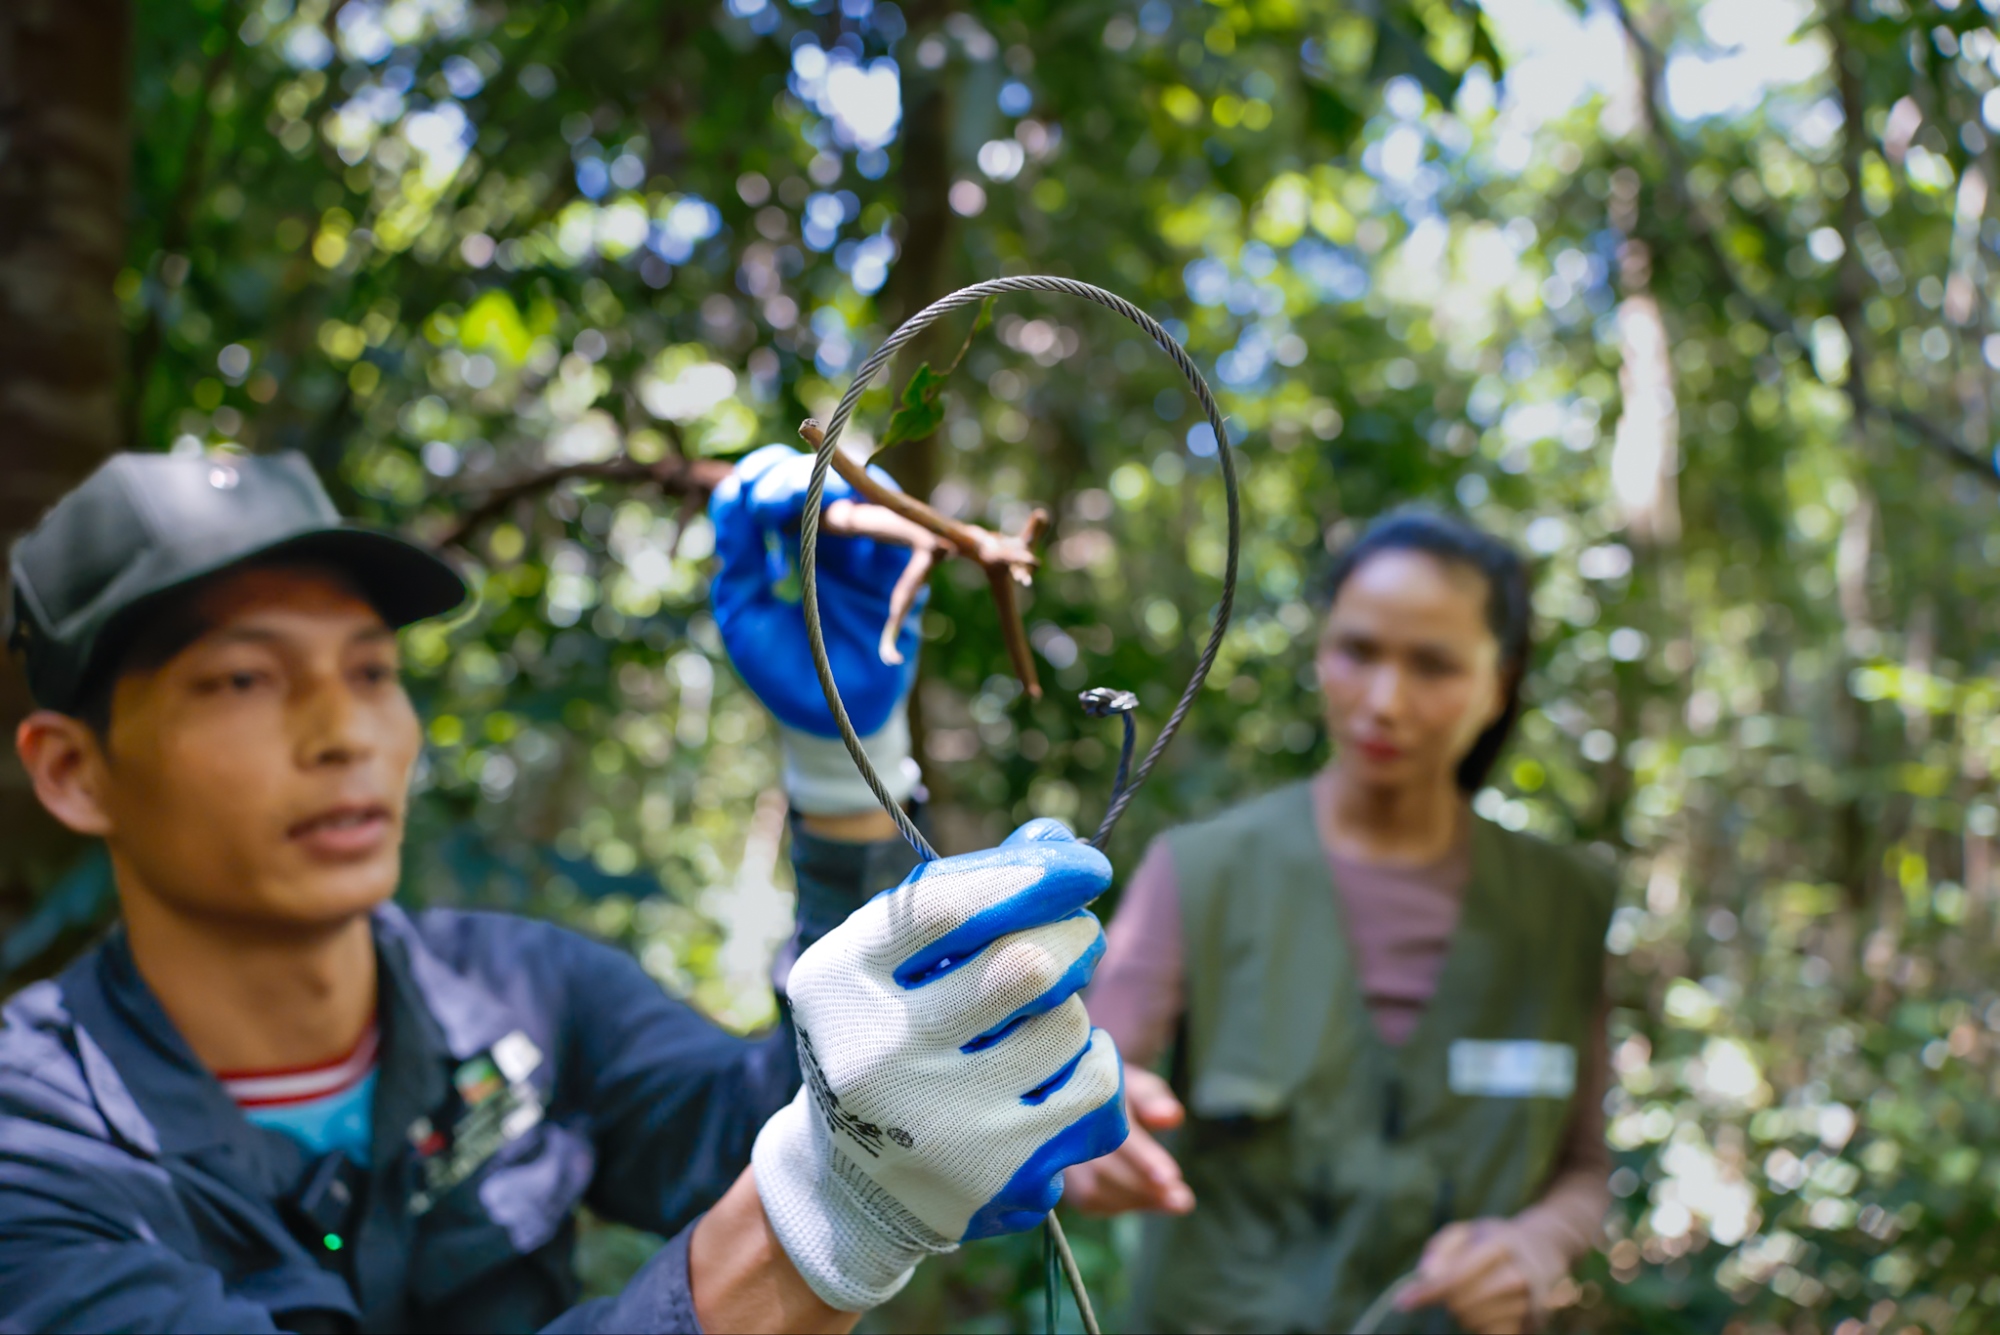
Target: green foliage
(920, 412)
(1686, 360)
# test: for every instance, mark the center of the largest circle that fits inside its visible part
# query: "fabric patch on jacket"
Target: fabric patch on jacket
(497, 1105)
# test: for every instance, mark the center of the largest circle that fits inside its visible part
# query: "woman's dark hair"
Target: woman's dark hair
(1507, 608)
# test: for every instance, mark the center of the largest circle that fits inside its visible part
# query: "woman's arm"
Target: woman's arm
(1137, 999)
(1556, 1231)
(1137, 995)
(1498, 1274)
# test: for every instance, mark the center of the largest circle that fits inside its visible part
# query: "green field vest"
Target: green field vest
(1321, 1158)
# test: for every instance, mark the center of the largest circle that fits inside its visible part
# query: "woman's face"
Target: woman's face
(1409, 669)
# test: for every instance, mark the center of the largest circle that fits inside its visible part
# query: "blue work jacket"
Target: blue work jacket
(524, 1070)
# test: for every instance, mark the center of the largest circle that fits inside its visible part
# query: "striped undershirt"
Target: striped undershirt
(324, 1106)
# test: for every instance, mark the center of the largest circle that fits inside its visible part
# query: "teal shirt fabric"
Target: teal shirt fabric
(343, 1120)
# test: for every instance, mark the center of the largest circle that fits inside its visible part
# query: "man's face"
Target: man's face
(260, 775)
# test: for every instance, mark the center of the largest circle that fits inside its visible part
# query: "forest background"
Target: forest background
(1689, 299)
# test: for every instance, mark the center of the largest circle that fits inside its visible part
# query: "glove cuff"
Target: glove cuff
(821, 778)
(851, 1243)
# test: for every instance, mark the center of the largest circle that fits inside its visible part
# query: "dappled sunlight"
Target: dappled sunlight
(1716, 353)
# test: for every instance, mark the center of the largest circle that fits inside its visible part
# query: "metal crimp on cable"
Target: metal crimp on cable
(1099, 702)
(1103, 702)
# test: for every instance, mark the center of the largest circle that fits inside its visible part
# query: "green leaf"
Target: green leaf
(1331, 115)
(1399, 52)
(922, 409)
(1483, 47)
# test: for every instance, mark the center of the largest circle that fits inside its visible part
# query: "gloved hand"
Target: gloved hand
(951, 1073)
(756, 598)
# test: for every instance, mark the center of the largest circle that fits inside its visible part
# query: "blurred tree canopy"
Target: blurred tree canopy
(1688, 297)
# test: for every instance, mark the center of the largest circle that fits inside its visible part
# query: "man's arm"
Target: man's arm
(725, 1272)
(79, 1244)
(91, 1283)
(735, 1268)
(674, 1101)
(743, 1280)
(951, 1052)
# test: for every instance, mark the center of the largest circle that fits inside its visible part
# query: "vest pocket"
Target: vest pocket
(1225, 1267)
(1244, 1161)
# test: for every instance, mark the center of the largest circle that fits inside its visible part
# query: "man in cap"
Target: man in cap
(273, 1100)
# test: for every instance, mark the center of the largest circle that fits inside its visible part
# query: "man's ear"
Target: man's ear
(66, 762)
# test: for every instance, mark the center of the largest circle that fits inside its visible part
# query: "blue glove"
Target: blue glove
(756, 595)
(951, 1072)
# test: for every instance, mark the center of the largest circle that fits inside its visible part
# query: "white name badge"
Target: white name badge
(1519, 1068)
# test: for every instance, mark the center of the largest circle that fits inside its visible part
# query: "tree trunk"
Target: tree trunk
(919, 278)
(64, 155)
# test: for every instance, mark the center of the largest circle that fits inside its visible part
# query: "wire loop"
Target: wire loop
(816, 494)
(1097, 703)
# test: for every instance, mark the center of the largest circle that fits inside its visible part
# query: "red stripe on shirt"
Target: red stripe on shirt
(301, 1084)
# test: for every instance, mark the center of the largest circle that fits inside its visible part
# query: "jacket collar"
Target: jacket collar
(152, 1090)
(465, 1017)
(160, 1100)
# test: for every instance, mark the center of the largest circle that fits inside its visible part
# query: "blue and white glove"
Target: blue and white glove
(756, 598)
(951, 1074)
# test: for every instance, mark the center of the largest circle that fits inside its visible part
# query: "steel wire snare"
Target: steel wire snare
(1126, 786)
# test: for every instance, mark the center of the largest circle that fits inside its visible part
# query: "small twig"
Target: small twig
(1012, 633)
(687, 477)
(859, 519)
(1007, 559)
(973, 542)
(903, 597)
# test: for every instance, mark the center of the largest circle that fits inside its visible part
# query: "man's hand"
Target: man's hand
(1469, 1269)
(951, 1074)
(1140, 1174)
(756, 597)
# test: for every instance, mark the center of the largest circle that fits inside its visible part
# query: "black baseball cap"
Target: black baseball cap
(145, 525)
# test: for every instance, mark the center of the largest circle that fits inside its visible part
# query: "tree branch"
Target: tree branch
(694, 478)
(1008, 559)
(1933, 436)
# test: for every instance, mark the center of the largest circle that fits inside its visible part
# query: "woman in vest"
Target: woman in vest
(1386, 1014)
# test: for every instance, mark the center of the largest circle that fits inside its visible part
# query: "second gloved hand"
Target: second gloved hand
(756, 596)
(951, 1074)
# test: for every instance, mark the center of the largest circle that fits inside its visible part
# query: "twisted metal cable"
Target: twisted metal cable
(816, 493)
(1124, 789)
